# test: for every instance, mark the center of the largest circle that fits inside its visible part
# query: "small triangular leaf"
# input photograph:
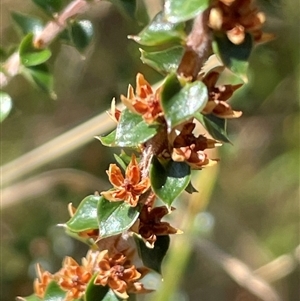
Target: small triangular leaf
(115, 217)
(31, 56)
(81, 33)
(160, 31)
(132, 130)
(235, 57)
(215, 126)
(183, 10)
(27, 24)
(170, 180)
(108, 140)
(191, 99)
(165, 61)
(40, 76)
(85, 217)
(152, 258)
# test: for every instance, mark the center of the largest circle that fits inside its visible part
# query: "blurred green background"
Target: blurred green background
(253, 209)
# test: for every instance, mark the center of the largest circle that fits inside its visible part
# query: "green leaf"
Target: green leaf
(85, 217)
(169, 181)
(50, 6)
(191, 99)
(81, 33)
(235, 57)
(28, 24)
(215, 126)
(5, 105)
(108, 140)
(183, 10)
(95, 292)
(152, 258)
(132, 130)
(160, 31)
(40, 76)
(165, 61)
(54, 292)
(31, 56)
(128, 6)
(115, 217)
(171, 86)
(120, 161)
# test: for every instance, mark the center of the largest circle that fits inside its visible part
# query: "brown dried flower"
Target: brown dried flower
(217, 97)
(149, 224)
(189, 148)
(119, 274)
(236, 18)
(145, 101)
(126, 189)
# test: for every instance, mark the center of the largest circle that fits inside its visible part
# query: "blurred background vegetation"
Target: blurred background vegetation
(251, 211)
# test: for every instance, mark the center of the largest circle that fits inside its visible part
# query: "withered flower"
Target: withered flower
(145, 101)
(217, 97)
(73, 278)
(119, 274)
(40, 284)
(149, 224)
(190, 149)
(126, 189)
(236, 18)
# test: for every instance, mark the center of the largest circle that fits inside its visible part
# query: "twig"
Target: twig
(12, 65)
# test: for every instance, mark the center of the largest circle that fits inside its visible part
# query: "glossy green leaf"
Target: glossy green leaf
(191, 99)
(128, 6)
(152, 258)
(165, 61)
(215, 126)
(50, 6)
(85, 217)
(81, 33)
(95, 292)
(115, 217)
(29, 55)
(40, 76)
(171, 87)
(132, 130)
(183, 10)
(5, 105)
(169, 181)
(27, 24)
(54, 292)
(108, 140)
(235, 57)
(160, 31)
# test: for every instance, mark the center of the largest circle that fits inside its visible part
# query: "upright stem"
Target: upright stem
(198, 47)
